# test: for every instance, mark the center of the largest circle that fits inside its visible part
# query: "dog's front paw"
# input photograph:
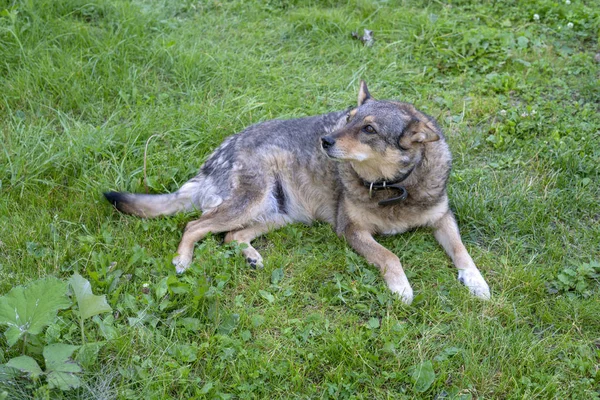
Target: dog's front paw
(472, 279)
(181, 263)
(402, 288)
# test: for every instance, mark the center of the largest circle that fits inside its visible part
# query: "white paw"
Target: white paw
(253, 257)
(401, 287)
(181, 263)
(472, 279)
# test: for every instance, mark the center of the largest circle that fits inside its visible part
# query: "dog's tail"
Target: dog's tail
(147, 205)
(154, 205)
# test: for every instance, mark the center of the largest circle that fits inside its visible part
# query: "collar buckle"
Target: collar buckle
(393, 185)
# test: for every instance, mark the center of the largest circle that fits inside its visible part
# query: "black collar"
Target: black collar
(381, 185)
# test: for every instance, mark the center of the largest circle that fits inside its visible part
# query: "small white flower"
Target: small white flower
(567, 2)
(536, 17)
(145, 285)
(570, 25)
(524, 115)
(503, 112)
(533, 112)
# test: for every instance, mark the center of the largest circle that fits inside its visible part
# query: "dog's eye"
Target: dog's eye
(368, 129)
(348, 118)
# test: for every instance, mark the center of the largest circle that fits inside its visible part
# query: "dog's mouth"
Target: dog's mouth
(332, 154)
(330, 149)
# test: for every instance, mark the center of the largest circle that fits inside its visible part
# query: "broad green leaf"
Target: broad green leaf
(257, 320)
(89, 304)
(267, 296)
(229, 323)
(57, 357)
(389, 347)
(176, 286)
(565, 279)
(161, 288)
(29, 309)
(12, 335)
(373, 323)
(423, 376)
(277, 276)
(8, 374)
(189, 324)
(25, 364)
(246, 335)
(206, 388)
(87, 355)
(183, 352)
(581, 286)
(522, 41)
(106, 327)
(63, 380)
(60, 368)
(447, 353)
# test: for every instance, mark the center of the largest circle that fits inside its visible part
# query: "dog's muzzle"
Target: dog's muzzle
(327, 142)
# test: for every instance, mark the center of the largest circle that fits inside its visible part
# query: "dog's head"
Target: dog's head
(381, 139)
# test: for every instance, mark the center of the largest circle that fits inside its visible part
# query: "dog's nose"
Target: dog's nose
(327, 142)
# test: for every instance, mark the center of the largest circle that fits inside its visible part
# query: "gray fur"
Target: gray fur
(278, 172)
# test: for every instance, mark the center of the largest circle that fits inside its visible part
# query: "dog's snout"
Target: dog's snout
(327, 142)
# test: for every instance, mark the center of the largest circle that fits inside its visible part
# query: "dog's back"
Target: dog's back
(277, 154)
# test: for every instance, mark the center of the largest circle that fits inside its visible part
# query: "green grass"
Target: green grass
(84, 85)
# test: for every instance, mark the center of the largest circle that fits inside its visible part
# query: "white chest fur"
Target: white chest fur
(381, 222)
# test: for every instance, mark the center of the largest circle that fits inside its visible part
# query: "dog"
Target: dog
(378, 168)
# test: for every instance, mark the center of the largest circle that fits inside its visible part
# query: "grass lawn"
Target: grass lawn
(86, 85)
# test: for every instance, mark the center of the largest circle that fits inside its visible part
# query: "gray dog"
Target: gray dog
(380, 168)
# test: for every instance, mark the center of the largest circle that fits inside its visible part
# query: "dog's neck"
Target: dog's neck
(381, 172)
(401, 177)
(394, 184)
(375, 171)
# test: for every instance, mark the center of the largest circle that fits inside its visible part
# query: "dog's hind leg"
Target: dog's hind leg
(447, 234)
(246, 236)
(216, 221)
(235, 214)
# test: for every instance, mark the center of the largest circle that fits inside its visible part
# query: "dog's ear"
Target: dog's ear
(363, 94)
(421, 131)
